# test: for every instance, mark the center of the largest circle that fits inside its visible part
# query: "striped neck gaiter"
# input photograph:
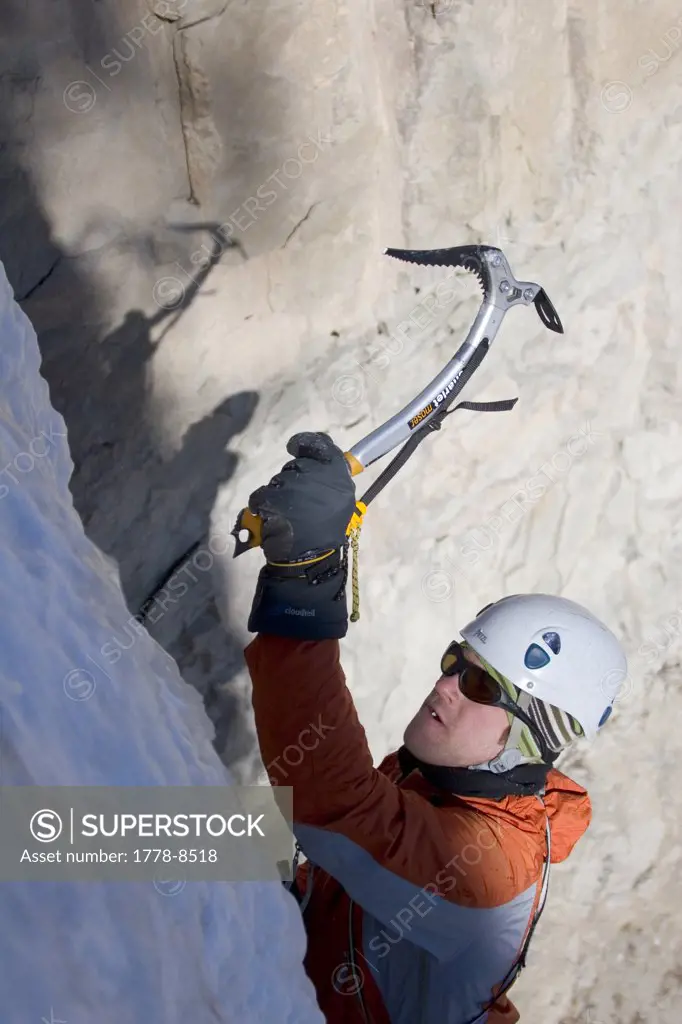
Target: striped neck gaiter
(557, 728)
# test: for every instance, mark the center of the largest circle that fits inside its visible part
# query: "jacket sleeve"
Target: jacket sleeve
(355, 817)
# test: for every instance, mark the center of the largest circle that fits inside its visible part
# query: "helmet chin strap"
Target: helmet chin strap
(504, 762)
(511, 756)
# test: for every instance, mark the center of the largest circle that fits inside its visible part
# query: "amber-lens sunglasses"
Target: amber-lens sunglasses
(479, 686)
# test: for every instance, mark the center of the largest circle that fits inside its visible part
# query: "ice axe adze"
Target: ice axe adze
(426, 412)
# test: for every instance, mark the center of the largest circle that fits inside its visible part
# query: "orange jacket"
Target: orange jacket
(420, 899)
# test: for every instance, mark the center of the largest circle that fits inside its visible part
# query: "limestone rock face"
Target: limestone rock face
(196, 197)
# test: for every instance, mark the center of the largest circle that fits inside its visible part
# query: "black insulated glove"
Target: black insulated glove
(305, 511)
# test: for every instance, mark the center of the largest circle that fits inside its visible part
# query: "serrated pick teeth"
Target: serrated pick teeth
(410, 256)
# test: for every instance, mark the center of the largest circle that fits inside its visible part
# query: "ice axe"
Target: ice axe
(425, 413)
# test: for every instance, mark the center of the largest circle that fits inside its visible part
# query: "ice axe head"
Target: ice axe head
(490, 266)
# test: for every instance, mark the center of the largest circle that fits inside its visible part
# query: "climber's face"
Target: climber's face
(449, 729)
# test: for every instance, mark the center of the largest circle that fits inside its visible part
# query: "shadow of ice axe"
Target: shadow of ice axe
(425, 413)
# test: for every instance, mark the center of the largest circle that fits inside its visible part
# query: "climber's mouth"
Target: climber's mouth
(429, 706)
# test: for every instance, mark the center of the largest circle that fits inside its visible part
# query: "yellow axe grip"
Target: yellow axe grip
(356, 467)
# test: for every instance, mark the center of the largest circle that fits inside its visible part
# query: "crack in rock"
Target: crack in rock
(298, 225)
(146, 605)
(184, 99)
(34, 288)
(201, 139)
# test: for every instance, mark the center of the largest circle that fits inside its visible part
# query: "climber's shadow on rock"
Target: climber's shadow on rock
(162, 538)
(145, 503)
(142, 501)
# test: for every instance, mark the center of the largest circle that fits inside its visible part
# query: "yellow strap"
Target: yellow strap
(310, 561)
(357, 517)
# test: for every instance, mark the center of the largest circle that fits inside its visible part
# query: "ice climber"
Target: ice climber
(425, 876)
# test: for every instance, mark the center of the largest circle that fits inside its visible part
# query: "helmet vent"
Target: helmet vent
(553, 641)
(535, 657)
(605, 717)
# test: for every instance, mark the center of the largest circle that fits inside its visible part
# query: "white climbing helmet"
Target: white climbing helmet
(555, 650)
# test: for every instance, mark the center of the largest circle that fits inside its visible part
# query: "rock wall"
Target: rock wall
(198, 196)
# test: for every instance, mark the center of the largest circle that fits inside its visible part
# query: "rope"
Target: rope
(355, 576)
(353, 535)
